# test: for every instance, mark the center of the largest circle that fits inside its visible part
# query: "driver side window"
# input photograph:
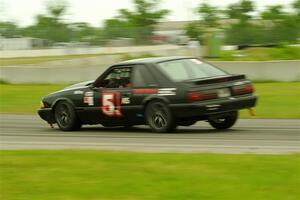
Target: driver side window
(117, 78)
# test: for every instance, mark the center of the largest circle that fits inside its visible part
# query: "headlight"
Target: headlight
(42, 104)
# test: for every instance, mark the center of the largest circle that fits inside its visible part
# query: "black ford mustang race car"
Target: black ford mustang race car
(162, 92)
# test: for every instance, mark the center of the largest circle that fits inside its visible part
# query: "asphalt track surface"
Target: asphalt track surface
(268, 136)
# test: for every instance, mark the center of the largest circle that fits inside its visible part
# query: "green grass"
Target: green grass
(276, 100)
(23, 98)
(76, 175)
(261, 54)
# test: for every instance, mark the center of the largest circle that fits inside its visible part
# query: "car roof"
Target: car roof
(151, 60)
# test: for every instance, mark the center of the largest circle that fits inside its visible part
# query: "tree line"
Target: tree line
(237, 22)
(240, 26)
(137, 23)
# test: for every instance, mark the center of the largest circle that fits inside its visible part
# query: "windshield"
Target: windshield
(187, 69)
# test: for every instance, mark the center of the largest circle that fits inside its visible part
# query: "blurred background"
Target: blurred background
(89, 36)
(46, 45)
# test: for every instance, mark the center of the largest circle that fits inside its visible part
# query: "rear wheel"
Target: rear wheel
(159, 117)
(224, 122)
(65, 117)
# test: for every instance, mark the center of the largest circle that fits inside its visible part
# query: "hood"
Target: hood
(85, 83)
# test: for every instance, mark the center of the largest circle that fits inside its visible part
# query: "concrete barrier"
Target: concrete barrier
(77, 70)
(264, 71)
(153, 49)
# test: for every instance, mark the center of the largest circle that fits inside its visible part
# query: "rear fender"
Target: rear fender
(154, 98)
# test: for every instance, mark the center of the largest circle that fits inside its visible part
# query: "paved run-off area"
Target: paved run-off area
(266, 136)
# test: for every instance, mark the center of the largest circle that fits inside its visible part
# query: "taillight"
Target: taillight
(243, 89)
(200, 96)
(249, 88)
(194, 96)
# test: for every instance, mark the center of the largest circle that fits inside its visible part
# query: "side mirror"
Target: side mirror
(92, 86)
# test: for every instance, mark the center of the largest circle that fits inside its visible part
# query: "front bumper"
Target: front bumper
(204, 109)
(47, 115)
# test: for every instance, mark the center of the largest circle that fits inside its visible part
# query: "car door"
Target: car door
(113, 96)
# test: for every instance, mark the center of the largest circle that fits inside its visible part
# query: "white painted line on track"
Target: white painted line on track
(150, 145)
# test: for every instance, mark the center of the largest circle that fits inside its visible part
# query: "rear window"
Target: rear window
(187, 69)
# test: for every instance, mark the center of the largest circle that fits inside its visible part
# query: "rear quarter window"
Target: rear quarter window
(142, 77)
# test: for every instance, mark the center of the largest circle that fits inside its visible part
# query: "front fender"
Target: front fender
(62, 99)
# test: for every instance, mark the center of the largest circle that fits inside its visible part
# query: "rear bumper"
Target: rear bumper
(202, 110)
(47, 115)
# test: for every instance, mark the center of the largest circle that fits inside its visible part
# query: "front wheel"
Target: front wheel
(65, 117)
(224, 122)
(159, 117)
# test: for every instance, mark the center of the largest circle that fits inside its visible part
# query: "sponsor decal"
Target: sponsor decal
(161, 91)
(89, 94)
(111, 104)
(145, 91)
(213, 107)
(78, 92)
(125, 100)
(89, 98)
(167, 91)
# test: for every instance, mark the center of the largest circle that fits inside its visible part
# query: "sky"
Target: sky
(23, 12)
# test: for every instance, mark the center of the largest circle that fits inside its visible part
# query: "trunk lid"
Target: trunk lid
(218, 87)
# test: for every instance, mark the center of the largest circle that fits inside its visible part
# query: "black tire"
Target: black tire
(65, 117)
(186, 123)
(224, 122)
(159, 117)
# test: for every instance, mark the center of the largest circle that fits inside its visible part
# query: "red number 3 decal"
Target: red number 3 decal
(111, 104)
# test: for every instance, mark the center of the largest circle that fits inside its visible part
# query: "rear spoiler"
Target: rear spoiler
(217, 79)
